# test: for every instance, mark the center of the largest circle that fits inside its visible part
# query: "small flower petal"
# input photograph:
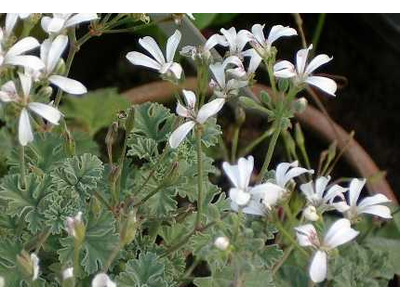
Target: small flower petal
(68, 85)
(180, 133)
(318, 267)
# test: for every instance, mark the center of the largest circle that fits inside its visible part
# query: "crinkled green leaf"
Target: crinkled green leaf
(79, 175)
(147, 270)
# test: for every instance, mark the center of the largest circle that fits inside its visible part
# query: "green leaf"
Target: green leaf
(95, 110)
(26, 202)
(153, 121)
(9, 249)
(203, 20)
(147, 270)
(78, 175)
(100, 240)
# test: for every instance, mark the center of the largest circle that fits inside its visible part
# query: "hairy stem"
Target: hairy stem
(199, 178)
(270, 152)
(22, 166)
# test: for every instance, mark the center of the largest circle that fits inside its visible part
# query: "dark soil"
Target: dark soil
(363, 50)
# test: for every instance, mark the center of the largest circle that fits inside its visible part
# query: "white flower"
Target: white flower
(51, 51)
(68, 273)
(72, 223)
(368, 205)
(2, 281)
(310, 213)
(9, 93)
(35, 266)
(318, 195)
(338, 234)
(195, 117)
(164, 65)
(221, 87)
(14, 56)
(240, 71)
(302, 72)
(102, 280)
(248, 199)
(11, 20)
(60, 22)
(284, 174)
(221, 243)
(263, 45)
(236, 41)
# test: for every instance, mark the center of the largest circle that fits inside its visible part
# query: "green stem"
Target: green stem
(270, 151)
(22, 166)
(285, 256)
(112, 257)
(283, 231)
(73, 49)
(199, 178)
(235, 143)
(256, 142)
(318, 31)
(270, 69)
(77, 248)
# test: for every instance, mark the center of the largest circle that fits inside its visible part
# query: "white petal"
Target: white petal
(318, 61)
(377, 210)
(258, 32)
(48, 112)
(341, 206)
(373, 200)
(44, 50)
(11, 20)
(335, 191)
(26, 84)
(233, 173)
(102, 280)
(356, 185)
(68, 85)
(140, 59)
(320, 185)
(230, 36)
(255, 208)
(306, 235)
(29, 61)
(22, 46)
(190, 98)
(80, 18)
(279, 31)
(318, 267)
(25, 134)
(242, 38)
(245, 167)
(180, 133)
(234, 60)
(35, 266)
(215, 39)
(56, 50)
(339, 233)
(301, 59)
(8, 92)
(182, 111)
(176, 69)
(172, 45)
(255, 60)
(239, 196)
(328, 85)
(281, 171)
(284, 69)
(294, 172)
(53, 25)
(218, 71)
(210, 109)
(152, 47)
(308, 189)
(268, 193)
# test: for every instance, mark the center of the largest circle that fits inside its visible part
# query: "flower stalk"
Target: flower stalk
(199, 177)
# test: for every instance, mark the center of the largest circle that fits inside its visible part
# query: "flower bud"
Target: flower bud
(300, 105)
(45, 92)
(76, 228)
(28, 264)
(310, 213)
(222, 243)
(102, 280)
(128, 230)
(68, 273)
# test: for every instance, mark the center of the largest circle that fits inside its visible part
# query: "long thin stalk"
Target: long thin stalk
(22, 166)
(270, 152)
(199, 179)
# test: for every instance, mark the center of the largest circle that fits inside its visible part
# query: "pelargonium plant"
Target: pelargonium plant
(155, 203)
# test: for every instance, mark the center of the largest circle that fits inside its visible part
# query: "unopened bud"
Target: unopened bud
(222, 243)
(102, 280)
(310, 213)
(240, 116)
(68, 273)
(128, 230)
(28, 264)
(76, 228)
(300, 105)
(45, 92)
